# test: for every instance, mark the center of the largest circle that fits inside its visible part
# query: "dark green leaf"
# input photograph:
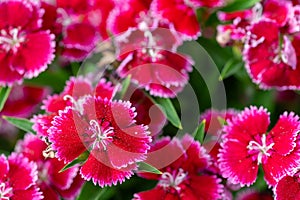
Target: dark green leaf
(230, 68)
(145, 167)
(199, 133)
(169, 110)
(79, 160)
(21, 123)
(239, 5)
(4, 93)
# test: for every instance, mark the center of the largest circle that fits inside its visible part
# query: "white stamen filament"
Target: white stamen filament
(5, 192)
(101, 136)
(168, 180)
(262, 148)
(77, 105)
(257, 11)
(11, 41)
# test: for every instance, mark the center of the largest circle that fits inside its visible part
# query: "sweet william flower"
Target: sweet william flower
(53, 183)
(18, 178)
(247, 144)
(106, 129)
(21, 37)
(73, 95)
(183, 163)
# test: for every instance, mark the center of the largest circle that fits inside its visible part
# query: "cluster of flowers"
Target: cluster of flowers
(84, 134)
(269, 33)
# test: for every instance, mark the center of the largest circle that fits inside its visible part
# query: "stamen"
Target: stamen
(11, 40)
(49, 152)
(263, 148)
(101, 134)
(168, 180)
(5, 192)
(77, 105)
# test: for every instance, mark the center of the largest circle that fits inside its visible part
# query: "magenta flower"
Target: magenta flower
(73, 95)
(51, 182)
(152, 62)
(128, 15)
(183, 164)
(281, 8)
(269, 62)
(105, 128)
(21, 37)
(180, 13)
(247, 144)
(288, 188)
(18, 178)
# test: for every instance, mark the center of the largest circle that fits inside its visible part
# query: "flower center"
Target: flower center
(169, 180)
(77, 104)
(102, 134)
(5, 192)
(11, 40)
(261, 148)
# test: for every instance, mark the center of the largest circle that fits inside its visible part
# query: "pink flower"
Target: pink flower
(183, 164)
(18, 178)
(246, 144)
(180, 13)
(128, 15)
(73, 95)
(105, 128)
(269, 62)
(288, 188)
(51, 182)
(277, 11)
(81, 23)
(152, 62)
(25, 49)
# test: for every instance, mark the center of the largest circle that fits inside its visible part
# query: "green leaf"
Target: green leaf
(79, 160)
(4, 93)
(230, 68)
(125, 85)
(170, 112)
(21, 123)
(145, 167)
(239, 5)
(93, 192)
(199, 133)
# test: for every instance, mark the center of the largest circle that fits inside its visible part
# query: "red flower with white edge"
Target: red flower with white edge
(183, 163)
(246, 144)
(18, 178)
(73, 95)
(152, 62)
(277, 11)
(288, 188)
(50, 180)
(128, 15)
(107, 130)
(271, 58)
(21, 37)
(180, 13)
